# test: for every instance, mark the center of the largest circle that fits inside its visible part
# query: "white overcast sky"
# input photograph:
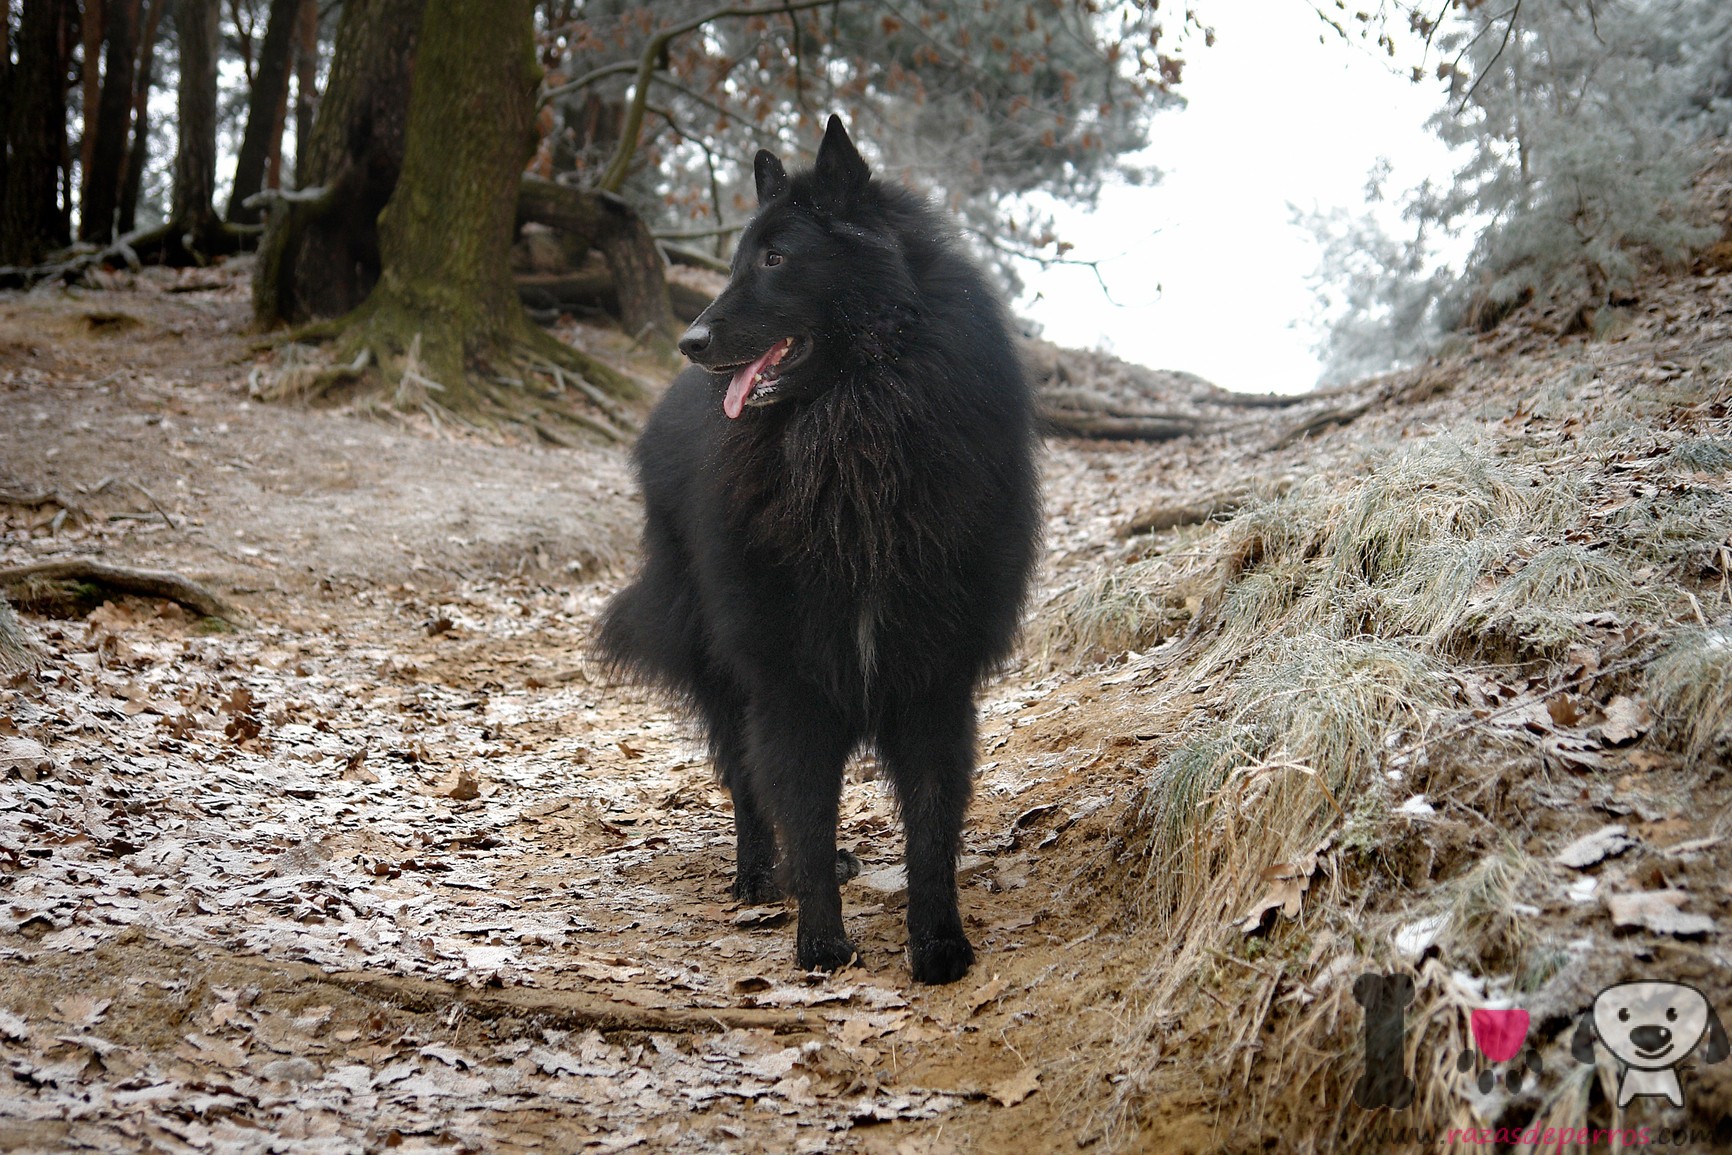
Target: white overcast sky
(1207, 266)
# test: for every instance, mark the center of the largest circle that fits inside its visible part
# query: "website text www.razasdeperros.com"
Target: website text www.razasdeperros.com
(1559, 1138)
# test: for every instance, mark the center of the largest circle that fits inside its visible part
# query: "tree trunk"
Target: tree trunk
(5, 90)
(90, 30)
(320, 258)
(107, 174)
(443, 322)
(194, 218)
(140, 155)
(35, 136)
(306, 84)
(607, 223)
(265, 108)
(446, 293)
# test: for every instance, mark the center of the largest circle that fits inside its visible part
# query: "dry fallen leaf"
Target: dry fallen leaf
(986, 993)
(1657, 910)
(81, 1010)
(1563, 711)
(467, 787)
(1010, 1091)
(1603, 843)
(1626, 720)
(1288, 882)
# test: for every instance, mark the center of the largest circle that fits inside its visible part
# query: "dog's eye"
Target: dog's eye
(1671, 1014)
(1623, 1014)
(772, 258)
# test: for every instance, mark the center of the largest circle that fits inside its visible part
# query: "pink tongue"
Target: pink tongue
(740, 387)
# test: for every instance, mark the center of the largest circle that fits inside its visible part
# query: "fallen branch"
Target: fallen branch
(1341, 415)
(143, 582)
(696, 258)
(1183, 511)
(1116, 426)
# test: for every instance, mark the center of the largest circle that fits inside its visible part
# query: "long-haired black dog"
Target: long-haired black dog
(842, 517)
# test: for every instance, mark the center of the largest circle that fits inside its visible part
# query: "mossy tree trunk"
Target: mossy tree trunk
(320, 257)
(445, 314)
(445, 237)
(442, 322)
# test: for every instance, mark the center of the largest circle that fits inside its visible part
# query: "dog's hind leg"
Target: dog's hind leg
(724, 712)
(754, 837)
(796, 750)
(928, 748)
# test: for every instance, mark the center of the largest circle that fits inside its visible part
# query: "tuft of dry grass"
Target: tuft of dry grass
(1690, 683)
(1309, 720)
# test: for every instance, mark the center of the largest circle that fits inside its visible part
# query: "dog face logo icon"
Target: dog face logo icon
(1650, 1027)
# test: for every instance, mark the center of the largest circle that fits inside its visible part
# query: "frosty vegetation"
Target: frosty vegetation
(1577, 126)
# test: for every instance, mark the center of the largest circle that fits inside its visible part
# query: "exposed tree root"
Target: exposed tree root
(525, 384)
(30, 581)
(570, 1010)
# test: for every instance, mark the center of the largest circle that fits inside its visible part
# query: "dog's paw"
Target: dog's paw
(753, 889)
(847, 866)
(941, 960)
(825, 954)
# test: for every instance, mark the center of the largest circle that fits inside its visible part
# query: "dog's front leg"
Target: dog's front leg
(928, 748)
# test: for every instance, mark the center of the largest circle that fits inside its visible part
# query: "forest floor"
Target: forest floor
(390, 864)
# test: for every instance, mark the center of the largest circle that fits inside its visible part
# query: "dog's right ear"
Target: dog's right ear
(771, 176)
(840, 171)
(1719, 1047)
(1582, 1046)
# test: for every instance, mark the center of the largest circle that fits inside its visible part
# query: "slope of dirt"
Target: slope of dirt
(391, 865)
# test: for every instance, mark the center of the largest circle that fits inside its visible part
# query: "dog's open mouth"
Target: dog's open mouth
(754, 383)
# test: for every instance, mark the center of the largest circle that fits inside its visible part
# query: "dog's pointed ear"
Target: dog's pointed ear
(1582, 1046)
(1718, 1045)
(772, 178)
(840, 173)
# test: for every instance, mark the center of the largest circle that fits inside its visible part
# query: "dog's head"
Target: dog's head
(819, 267)
(1651, 1025)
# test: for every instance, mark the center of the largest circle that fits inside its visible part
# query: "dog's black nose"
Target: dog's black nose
(1651, 1038)
(696, 340)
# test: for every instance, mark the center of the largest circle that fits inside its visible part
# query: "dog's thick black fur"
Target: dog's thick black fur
(842, 519)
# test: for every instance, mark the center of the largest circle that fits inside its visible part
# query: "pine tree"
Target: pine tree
(1578, 121)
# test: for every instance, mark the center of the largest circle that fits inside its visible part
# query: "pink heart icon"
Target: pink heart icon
(1499, 1035)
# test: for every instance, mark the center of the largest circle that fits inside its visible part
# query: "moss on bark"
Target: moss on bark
(443, 326)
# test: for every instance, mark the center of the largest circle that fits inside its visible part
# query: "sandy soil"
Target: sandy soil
(403, 769)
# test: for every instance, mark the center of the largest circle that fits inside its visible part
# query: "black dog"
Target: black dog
(842, 518)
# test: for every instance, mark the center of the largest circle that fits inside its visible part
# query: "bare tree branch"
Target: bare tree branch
(613, 178)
